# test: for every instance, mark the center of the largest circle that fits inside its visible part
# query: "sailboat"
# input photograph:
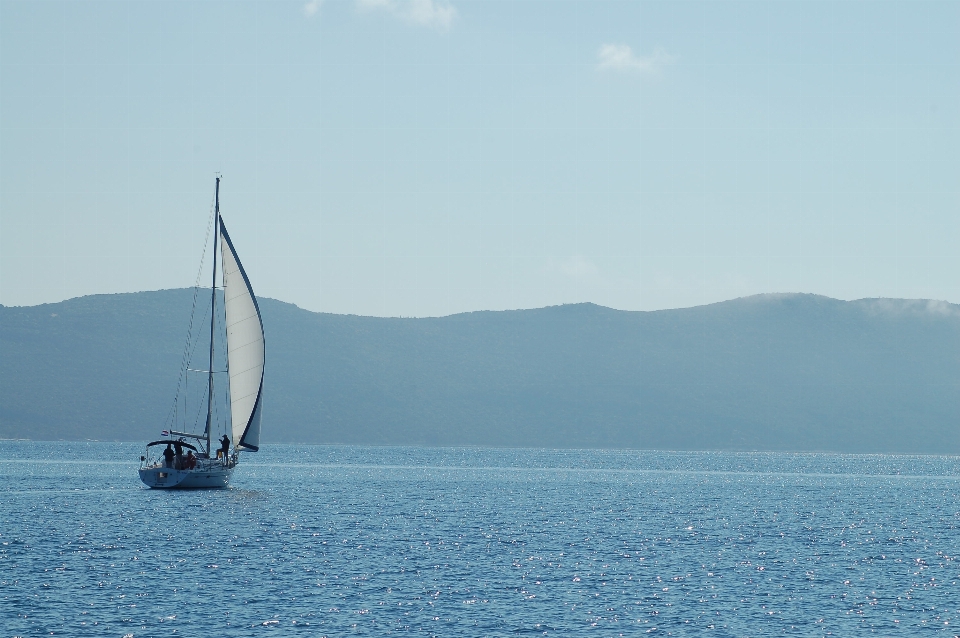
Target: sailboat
(165, 465)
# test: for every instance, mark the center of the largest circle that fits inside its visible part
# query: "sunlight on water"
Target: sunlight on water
(324, 540)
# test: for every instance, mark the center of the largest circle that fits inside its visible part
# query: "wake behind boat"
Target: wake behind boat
(172, 462)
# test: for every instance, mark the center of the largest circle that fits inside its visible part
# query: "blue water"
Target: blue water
(327, 540)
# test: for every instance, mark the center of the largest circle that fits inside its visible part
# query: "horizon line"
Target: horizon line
(754, 296)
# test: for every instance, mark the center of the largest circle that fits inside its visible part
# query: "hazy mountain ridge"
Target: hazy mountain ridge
(783, 371)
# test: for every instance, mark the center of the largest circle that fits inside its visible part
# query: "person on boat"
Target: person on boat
(224, 446)
(168, 455)
(178, 455)
(191, 460)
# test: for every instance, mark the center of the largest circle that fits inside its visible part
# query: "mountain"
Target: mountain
(769, 372)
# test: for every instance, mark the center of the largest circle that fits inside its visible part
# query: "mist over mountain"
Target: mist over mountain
(770, 372)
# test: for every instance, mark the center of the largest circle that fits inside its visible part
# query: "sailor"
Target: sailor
(178, 456)
(168, 455)
(224, 446)
(191, 460)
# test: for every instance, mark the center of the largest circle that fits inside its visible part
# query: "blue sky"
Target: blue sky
(396, 157)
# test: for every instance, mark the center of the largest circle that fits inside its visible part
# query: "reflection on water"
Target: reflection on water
(333, 540)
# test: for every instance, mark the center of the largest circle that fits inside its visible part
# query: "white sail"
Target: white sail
(244, 348)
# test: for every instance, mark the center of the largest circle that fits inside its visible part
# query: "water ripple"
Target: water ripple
(330, 540)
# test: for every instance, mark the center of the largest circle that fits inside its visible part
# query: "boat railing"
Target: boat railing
(202, 461)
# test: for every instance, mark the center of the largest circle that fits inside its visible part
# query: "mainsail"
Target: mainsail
(244, 348)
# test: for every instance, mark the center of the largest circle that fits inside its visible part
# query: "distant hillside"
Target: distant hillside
(771, 372)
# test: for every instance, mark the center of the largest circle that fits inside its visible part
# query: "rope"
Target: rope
(185, 358)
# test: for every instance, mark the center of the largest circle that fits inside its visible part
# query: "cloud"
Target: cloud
(434, 14)
(311, 8)
(909, 306)
(620, 57)
(577, 267)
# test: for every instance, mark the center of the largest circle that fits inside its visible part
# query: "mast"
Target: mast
(213, 315)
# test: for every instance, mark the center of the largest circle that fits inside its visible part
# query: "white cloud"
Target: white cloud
(577, 267)
(435, 14)
(620, 57)
(311, 8)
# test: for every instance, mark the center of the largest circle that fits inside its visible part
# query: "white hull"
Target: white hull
(216, 475)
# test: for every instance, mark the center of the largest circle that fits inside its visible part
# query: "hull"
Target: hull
(201, 478)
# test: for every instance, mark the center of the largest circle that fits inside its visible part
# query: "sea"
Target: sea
(374, 541)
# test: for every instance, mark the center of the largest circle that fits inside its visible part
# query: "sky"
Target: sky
(429, 157)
